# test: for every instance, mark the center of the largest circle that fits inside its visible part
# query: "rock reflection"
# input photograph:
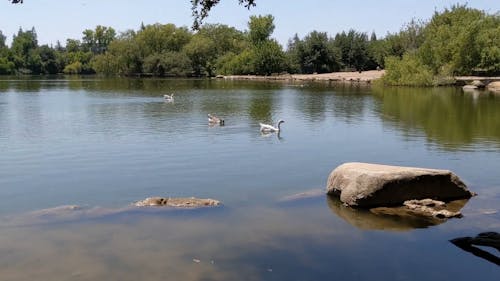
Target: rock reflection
(390, 219)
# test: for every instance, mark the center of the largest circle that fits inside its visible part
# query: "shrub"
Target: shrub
(407, 71)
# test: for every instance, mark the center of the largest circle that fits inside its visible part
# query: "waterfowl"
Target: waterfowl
(212, 119)
(265, 128)
(168, 97)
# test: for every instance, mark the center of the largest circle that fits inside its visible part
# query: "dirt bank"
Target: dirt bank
(349, 77)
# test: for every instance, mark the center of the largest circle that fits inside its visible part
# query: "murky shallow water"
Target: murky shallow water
(107, 143)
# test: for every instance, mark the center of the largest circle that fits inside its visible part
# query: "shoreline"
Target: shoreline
(360, 78)
(345, 77)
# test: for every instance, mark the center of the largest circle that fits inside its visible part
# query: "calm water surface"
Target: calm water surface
(105, 143)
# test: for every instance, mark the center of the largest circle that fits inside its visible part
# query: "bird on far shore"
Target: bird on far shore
(213, 120)
(265, 128)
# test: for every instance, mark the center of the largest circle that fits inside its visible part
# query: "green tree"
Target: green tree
(269, 58)
(316, 53)
(457, 41)
(168, 64)
(242, 63)
(98, 40)
(76, 58)
(73, 68)
(6, 66)
(407, 71)
(2, 41)
(201, 51)
(123, 57)
(222, 43)
(73, 45)
(353, 48)
(260, 28)
(49, 61)
(23, 45)
(226, 38)
(488, 44)
(159, 38)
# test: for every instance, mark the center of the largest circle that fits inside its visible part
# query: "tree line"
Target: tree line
(168, 50)
(456, 41)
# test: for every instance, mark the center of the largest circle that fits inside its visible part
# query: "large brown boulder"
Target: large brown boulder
(373, 185)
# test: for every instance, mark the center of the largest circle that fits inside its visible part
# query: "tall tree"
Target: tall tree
(459, 39)
(23, 45)
(158, 38)
(354, 49)
(260, 28)
(201, 51)
(315, 53)
(2, 40)
(97, 40)
(269, 58)
(6, 66)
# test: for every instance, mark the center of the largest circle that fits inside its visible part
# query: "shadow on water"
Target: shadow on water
(485, 239)
(387, 219)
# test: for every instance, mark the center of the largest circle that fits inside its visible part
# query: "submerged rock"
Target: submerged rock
(429, 207)
(190, 202)
(68, 213)
(388, 218)
(374, 185)
(439, 211)
(313, 193)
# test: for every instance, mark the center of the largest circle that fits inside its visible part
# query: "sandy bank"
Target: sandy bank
(363, 77)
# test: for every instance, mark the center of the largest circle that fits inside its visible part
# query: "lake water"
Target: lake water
(104, 143)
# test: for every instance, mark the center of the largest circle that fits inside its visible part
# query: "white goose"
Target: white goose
(212, 120)
(265, 128)
(168, 97)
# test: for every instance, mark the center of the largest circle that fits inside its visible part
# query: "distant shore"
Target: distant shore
(347, 77)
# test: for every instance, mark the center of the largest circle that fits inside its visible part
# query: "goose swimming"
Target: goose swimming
(212, 120)
(168, 97)
(265, 128)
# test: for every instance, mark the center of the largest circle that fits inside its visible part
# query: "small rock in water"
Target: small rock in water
(190, 202)
(429, 207)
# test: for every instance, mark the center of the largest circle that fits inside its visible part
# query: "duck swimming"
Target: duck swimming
(212, 120)
(168, 97)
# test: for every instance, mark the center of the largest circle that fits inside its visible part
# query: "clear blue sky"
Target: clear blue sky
(61, 19)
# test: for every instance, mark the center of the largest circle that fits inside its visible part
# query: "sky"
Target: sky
(58, 20)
